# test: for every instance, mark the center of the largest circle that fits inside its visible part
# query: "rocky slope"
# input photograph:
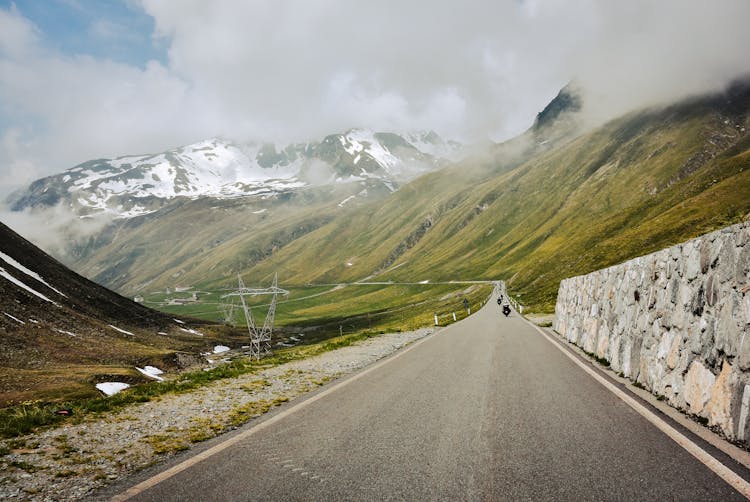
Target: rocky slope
(61, 333)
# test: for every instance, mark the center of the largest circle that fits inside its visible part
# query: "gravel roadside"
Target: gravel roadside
(73, 461)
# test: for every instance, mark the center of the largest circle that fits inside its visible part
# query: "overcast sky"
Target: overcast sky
(81, 79)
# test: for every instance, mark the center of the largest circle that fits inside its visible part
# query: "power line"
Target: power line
(260, 339)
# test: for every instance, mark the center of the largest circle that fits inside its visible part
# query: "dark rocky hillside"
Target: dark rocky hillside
(62, 333)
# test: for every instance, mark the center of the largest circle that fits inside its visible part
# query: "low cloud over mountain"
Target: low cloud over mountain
(296, 70)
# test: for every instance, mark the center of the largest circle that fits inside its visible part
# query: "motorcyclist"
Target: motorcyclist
(506, 309)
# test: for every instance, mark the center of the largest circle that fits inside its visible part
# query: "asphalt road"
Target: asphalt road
(486, 409)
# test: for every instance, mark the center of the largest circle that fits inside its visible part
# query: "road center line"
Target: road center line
(733, 479)
(162, 476)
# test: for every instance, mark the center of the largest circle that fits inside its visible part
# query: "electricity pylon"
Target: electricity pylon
(229, 315)
(260, 339)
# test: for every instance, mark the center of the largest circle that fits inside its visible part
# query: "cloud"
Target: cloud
(57, 230)
(479, 69)
(298, 70)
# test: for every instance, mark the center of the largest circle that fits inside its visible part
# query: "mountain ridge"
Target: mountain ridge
(551, 203)
(136, 185)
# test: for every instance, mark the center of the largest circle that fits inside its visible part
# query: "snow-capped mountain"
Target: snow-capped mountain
(136, 185)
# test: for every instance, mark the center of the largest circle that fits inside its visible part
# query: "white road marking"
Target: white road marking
(162, 476)
(734, 480)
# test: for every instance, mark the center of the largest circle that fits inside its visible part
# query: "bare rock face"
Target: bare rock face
(677, 321)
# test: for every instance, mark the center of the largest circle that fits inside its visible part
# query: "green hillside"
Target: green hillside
(547, 205)
(639, 183)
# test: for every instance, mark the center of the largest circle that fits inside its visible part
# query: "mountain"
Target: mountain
(208, 239)
(641, 182)
(556, 201)
(564, 106)
(132, 186)
(61, 333)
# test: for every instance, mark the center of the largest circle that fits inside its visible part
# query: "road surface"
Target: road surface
(486, 409)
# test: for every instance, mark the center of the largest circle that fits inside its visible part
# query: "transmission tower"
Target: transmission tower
(229, 313)
(260, 339)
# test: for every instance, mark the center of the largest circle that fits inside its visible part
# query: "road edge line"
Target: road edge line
(199, 457)
(730, 477)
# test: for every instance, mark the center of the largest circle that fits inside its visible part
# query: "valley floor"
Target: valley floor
(73, 461)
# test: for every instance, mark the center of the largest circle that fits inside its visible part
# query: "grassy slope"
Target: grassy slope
(199, 241)
(634, 185)
(637, 184)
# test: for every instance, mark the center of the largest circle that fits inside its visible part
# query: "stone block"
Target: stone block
(693, 264)
(698, 383)
(711, 291)
(698, 301)
(726, 335)
(726, 268)
(742, 419)
(635, 357)
(614, 351)
(684, 296)
(673, 356)
(665, 343)
(626, 348)
(673, 290)
(742, 268)
(675, 252)
(602, 344)
(705, 256)
(719, 407)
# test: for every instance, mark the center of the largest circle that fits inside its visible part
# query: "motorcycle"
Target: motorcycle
(506, 310)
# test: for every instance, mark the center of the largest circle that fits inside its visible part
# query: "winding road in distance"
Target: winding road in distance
(486, 409)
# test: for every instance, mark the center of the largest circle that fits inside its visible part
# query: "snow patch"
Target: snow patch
(14, 318)
(4, 273)
(341, 204)
(191, 331)
(66, 332)
(219, 349)
(121, 330)
(151, 372)
(112, 388)
(13, 263)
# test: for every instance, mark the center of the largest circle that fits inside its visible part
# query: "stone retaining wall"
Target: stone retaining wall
(675, 321)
